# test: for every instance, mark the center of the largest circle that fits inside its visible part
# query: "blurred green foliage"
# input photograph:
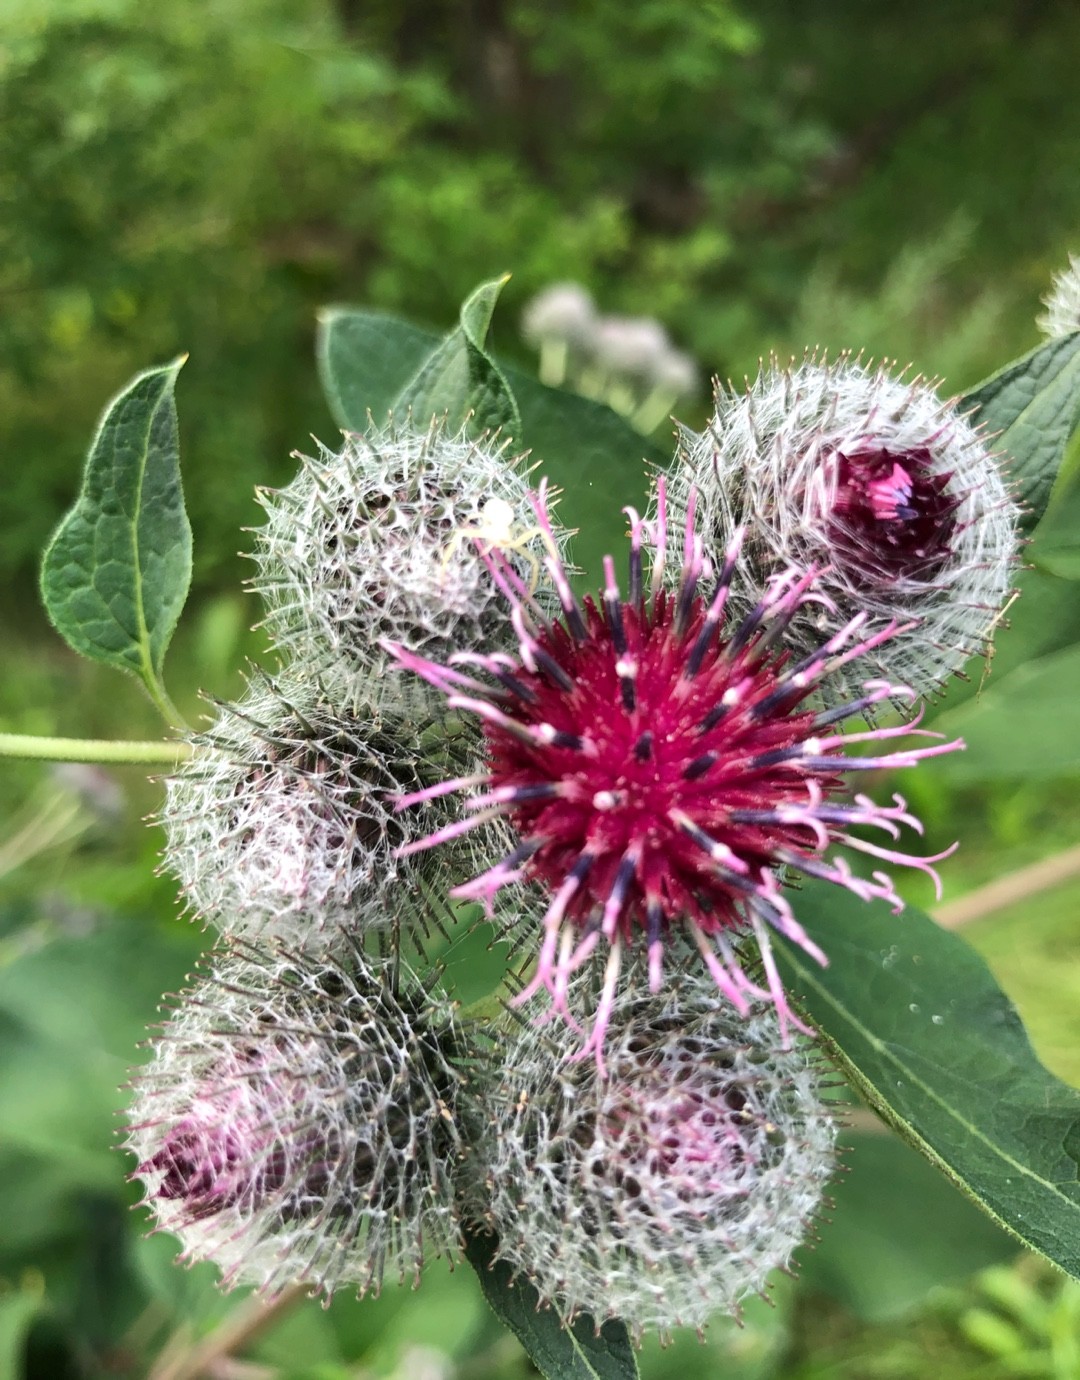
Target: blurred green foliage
(201, 176)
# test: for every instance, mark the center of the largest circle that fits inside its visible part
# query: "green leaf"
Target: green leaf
(116, 573)
(1034, 406)
(585, 448)
(460, 377)
(1045, 618)
(896, 1230)
(915, 1019)
(365, 358)
(1056, 545)
(599, 461)
(558, 1352)
(1025, 726)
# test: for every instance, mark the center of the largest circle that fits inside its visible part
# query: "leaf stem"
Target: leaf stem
(118, 751)
(155, 688)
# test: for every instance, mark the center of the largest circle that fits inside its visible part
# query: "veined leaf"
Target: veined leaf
(1024, 726)
(461, 378)
(365, 359)
(1034, 405)
(913, 1016)
(559, 1352)
(116, 573)
(877, 1256)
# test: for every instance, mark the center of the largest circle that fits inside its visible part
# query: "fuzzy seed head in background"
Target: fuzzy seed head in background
(385, 539)
(1062, 315)
(282, 822)
(846, 468)
(661, 766)
(296, 1124)
(677, 373)
(563, 313)
(668, 1190)
(632, 345)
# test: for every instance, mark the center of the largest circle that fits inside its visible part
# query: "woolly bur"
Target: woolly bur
(890, 493)
(282, 821)
(663, 769)
(296, 1123)
(1062, 315)
(668, 1190)
(383, 540)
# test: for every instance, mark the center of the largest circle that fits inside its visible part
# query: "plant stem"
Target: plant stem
(117, 751)
(155, 688)
(51, 825)
(240, 1328)
(1006, 891)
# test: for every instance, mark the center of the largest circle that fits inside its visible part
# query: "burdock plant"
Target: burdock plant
(667, 795)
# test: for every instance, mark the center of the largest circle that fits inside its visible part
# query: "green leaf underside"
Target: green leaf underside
(915, 1019)
(580, 445)
(1025, 726)
(559, 1352)
(116, 573)
(1055, 547)
(460, 377)
(1034, 405)
(876, 1256)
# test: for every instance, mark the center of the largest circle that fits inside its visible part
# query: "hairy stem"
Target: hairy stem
(118, 751)
(240, 1328)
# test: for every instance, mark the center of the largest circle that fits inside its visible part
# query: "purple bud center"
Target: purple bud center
(237, 1146)
(207, 1166)
(892, 516)
(695, 1138)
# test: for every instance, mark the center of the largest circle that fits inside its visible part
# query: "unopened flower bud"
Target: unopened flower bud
(875, 482)
(677, 373)
(296, 1124)
(283, 822)
(632, 345)
(563, 312)
(668, 1190)
(386, 539)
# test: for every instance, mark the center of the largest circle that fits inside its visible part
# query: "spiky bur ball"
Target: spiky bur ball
(668, 1190)
(383, 539)
(1062, 315)
(661, 766)
(875, 481)
(296, 1123)
(282, 822)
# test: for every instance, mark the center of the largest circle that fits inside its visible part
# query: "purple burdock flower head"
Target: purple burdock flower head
(667, 1190)
(281, 823)
(876, 482)
(296, 1123)
(661, 765)
(384, 539)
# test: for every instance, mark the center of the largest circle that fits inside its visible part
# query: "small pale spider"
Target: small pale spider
(495, 531)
